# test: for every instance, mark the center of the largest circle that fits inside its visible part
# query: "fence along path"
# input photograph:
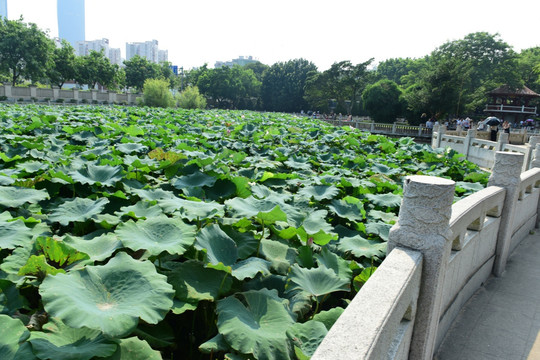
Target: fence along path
(440, 254)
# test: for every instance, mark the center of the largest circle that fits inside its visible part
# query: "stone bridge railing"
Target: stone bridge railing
(396, 129)
(439, 254)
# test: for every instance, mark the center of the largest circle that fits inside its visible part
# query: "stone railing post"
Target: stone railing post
(33, 91)
(506, 173)
(531, 148)
(372, 129)
(76, 95)
(56, 93)
(94, 94)
(394, 127)
(437, 135)
(471, 134)
(423, 225)
(536, 157)
(502, 140)
(7, 91)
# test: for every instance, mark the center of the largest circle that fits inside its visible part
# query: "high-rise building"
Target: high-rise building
(84, 48)
(242, 60)
(148, 50)
(71, 20)
(3, 8)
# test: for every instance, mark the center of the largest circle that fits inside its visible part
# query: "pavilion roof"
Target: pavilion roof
(507, 90)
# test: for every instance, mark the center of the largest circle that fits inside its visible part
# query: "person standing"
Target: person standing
(506, 127)
(494, 132)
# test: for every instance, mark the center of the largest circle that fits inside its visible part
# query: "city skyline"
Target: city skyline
(3, 8)
(195, 33)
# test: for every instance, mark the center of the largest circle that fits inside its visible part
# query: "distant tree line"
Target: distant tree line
(453, 79)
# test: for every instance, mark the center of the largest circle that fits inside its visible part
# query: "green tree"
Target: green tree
(383, 101)
(138, 70)
(396, 69)
(25, 50)
(227, 86)
(529, 68)
(95, 68)
(63, 64)
(283, 85)
(258, 69)
(156, 93)
(190, 98)
(343, 83)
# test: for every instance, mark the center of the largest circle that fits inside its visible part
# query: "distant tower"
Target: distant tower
(71, 20)
(3, 8)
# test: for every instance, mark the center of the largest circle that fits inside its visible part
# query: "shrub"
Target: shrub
(156, 93)
(73, 101)
(95, 102)
(190, 98)
(3, 98)
(84, 101)
(59, 101)
(20, 100)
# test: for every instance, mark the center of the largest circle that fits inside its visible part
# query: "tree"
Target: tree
(227, 86)
(63, 65)
(190, 98)
(138, 70)
(25, 50)
(283, 85)
(156, 93)
(529, 68)
(383, 101)
(395, 69)
(342, 83)
(258, 69)
(95, 68)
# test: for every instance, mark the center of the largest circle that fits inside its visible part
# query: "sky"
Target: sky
(196, 32)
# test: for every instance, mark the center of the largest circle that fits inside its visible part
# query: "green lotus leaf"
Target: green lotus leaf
(316, 281)
(257, 325)
(385, 200)
(385, 170)
(343, 209)
(215, 344)
(156, 235)
(180, 307)
(389, 218)
(197, 179)
(307, 336)
(193, 282)
(328, 318)
(359, 247)
(18, 258)
(466, 188)
(153, 194)
(219, 247)
(192, 210)
(129, 148)
(13, 336)
(378, 228)
(60, 342)
(78, 209)
(57, 252)
(316, 221)
(14, 197)
(110, 298)
(142, 209)
(298, 163)
(330, 260)
(10, 299)
(98, 248)
(319, 192)
(135, 349)
(266, 210)
(250, 267)
(6, 180)
(13, 234)
(31, 167)
(246, 242)
(280, 255)
(101, 174)
(38, 266)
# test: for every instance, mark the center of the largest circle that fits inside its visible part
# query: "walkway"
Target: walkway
(502, 320)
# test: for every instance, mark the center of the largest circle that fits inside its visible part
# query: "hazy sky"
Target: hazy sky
(203, 31)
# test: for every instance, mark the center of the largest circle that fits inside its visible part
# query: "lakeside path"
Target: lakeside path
(501, 321)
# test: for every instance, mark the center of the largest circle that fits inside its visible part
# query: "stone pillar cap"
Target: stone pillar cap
(431, 180)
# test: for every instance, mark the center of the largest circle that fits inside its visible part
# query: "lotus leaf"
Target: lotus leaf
(316, 281)
(219, 247)
(154, 194)
(378, 228)
(359, 247)
(193, 282)
(250, 267)
(343, 209)
(142, 209)
(192, 210)
(328, 318)
(385, 200)
(197, 179)
(98, 248)
(135, 349)
(129, 148)
(6, 180)
(13, 197)
(280, 255)
(13, 234)
(266, 210)
(101, 174)
(60, 342)
(319, 192)
(215, 344)
(110, 298)
(156, 235)
(13, 336)
(330, 260)
(307, 336)
(10, 299)
(78, 209)
(257, 325)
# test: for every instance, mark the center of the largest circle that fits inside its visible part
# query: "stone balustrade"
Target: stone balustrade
(439, 254)
(32, 93)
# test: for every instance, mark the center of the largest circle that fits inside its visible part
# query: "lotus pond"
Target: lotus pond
(137, 233)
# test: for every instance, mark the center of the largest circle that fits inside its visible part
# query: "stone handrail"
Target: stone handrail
(386, 129)
(33, 93)
(461, 245)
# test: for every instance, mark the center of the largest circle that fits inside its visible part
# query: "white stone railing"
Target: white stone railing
(32, 93)
(400, 314)
(386, 129)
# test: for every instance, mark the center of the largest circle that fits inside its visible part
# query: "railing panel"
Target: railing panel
(20, 91)
(378, 322)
